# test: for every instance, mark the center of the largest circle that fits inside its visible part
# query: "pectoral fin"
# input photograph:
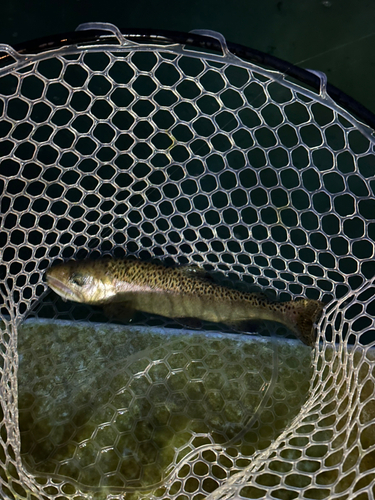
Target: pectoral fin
(122, 311)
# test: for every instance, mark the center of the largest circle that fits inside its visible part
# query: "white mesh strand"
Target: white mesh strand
(162, 152)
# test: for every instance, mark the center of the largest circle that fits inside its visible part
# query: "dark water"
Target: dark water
(333, 36)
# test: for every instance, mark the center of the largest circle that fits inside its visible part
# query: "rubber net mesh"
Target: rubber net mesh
(192, 158)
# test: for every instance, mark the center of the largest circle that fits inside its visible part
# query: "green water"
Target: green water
(118, 408)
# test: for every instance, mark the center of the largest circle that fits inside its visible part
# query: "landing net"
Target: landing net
(162, 148)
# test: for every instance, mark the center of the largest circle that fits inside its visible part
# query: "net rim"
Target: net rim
(98, 36)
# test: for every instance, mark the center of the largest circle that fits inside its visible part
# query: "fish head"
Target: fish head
(82, 281)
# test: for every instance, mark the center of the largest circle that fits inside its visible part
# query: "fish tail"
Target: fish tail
(302, 315)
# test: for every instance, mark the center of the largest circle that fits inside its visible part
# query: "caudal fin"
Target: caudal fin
(303, 314)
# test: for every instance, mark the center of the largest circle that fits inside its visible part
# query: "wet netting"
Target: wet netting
(191, 151)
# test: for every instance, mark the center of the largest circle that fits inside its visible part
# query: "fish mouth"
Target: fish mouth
(61, 289)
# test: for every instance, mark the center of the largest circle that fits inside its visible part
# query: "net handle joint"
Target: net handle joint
(106, 27)
(227, 54)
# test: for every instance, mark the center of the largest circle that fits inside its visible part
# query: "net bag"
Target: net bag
(185, 149)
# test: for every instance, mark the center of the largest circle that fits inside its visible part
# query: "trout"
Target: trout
(179, 293)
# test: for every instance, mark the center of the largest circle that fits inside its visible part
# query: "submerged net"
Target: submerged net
(161, 151)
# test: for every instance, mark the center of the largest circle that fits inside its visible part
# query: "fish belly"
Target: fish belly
(192, 306)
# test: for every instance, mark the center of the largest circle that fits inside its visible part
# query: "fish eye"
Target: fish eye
(78, 279)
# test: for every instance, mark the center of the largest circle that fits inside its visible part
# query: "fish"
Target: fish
(176, 292)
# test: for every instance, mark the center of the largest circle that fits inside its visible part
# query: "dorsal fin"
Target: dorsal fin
(193, 270)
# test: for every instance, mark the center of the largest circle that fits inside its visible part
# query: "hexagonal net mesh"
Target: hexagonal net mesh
(161, 151)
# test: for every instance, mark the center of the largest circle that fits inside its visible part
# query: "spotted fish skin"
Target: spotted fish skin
(176, 293)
